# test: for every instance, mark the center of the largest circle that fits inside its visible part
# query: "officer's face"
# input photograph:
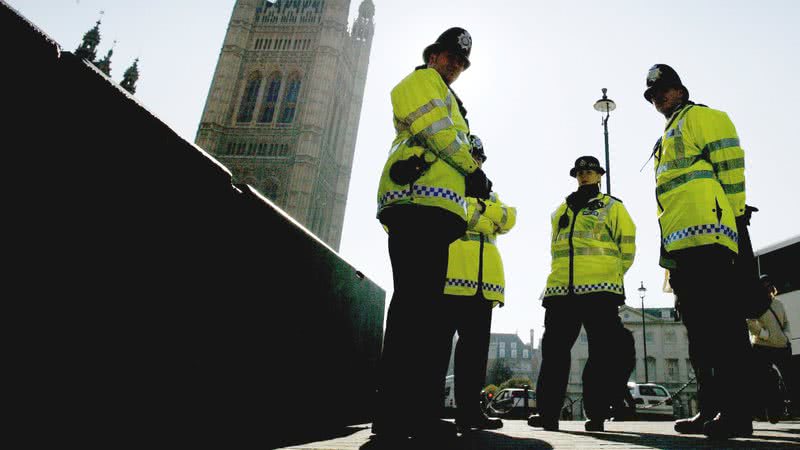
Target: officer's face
(587, 177)
(449, 65)
(665, 99)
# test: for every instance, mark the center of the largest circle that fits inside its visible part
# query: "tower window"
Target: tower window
(271, 99)
(249, 98)
(290, 100)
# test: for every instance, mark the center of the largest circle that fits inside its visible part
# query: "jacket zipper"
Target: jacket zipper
(572, 254)
(480, 268)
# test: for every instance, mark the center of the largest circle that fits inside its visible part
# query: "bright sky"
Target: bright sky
(537, 69)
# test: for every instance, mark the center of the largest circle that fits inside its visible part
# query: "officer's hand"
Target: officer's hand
(748, 213)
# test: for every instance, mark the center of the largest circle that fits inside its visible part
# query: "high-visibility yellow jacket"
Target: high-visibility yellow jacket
(699, 172)
(593, 252)
(429, 124)
(474, 259)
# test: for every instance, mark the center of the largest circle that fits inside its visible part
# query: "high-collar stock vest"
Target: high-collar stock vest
(592, 253)
(699, 181)
(428, 124)
(474, 259)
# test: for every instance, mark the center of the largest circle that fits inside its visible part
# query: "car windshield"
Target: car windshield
(531, 394)
(653, 391)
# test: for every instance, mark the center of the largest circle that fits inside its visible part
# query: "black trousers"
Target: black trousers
(471, 317)
(416, 345)
(719, 345)
(562, 324)
(767, 391)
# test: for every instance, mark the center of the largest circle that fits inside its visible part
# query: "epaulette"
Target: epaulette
(615, 198)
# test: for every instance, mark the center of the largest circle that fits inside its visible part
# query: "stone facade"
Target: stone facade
(285, 101)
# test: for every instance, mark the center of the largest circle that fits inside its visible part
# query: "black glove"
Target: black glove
(748, 213)
(477, 185)
(406, 171)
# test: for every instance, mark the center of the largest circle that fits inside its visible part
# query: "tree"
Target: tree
(499, 372)
(517, 382)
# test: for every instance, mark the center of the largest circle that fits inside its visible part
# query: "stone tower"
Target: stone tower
(283, 109)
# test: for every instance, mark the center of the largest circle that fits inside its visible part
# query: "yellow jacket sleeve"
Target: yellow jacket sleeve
(502, 216)
(423, 104)
(716, 136)
(623, 230)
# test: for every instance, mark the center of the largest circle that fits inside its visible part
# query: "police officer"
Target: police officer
(700, 191)
(474, 285)
(421, 203)
(593, 245)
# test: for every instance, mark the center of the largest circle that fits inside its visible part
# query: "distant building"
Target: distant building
(667, 358)
(284, 105)
(510, 351)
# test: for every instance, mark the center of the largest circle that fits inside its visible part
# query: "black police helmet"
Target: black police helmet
(477, 148)
(586, 163)
(662, 76)
(456, 40)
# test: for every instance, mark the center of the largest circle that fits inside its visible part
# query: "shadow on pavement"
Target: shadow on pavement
(307, 435)
(689, 441)
(474, 440)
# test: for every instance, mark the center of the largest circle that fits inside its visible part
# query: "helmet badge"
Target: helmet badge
(465, 40)
(654, 74)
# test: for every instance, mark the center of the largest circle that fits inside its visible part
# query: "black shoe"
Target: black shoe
(692, 425)
(549, 424)
(722, 428)
(594, 425)
(435, 430)
(479, 422)
(386, 429)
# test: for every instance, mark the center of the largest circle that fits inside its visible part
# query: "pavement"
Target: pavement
(516, 434)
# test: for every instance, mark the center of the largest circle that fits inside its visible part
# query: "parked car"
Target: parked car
(652, 400)
(510, 403)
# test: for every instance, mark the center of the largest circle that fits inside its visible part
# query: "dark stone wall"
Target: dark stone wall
(155, 298)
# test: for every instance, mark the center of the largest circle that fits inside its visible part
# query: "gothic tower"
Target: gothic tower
(283, 109)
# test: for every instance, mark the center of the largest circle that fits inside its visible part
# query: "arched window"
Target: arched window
(290, 100)
(271, 99)
(249, 98)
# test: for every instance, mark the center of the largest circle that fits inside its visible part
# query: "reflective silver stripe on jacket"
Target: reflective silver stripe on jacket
(476, 215)
(683, 179)
(603, 237)
(720, 144)
(477, 237)
(586, 251)
(405, 123)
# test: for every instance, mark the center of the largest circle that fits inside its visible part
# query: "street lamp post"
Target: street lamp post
(606, 105)
(642, 291)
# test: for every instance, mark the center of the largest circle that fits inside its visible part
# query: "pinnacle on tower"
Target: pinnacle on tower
(364, 26)
(88, 48)
(105, 64)
(131, 76)
(366, 9)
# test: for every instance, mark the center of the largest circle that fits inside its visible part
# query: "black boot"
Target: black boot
(692, 425)
(478, 422)
(548, 423)
(594, 425)
(724, 428)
